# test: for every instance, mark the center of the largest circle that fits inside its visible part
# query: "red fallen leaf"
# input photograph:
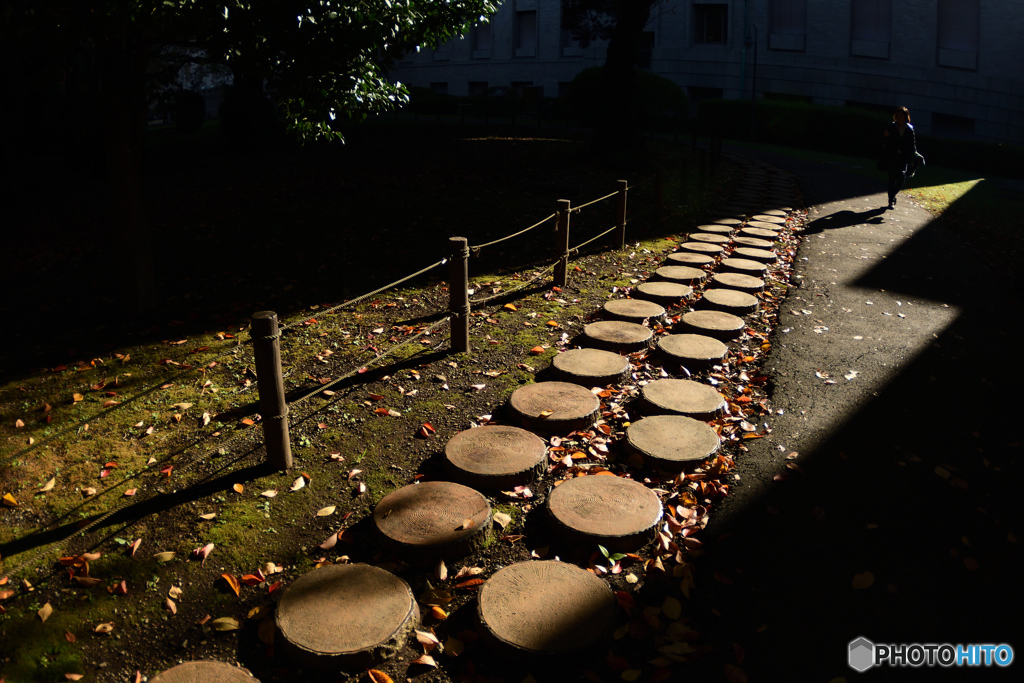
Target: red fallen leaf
(167, 470)
(251, 580)
(109, 404)
(69, 636)
(321, 425)
(470, 584)
(381, 411)
(626, 601)
(200, 349)
(331, 541)
(135, 546)
(130, 492)
(247, 422)
(537, 350)
(138, 677)
(203, 552)
(378, 676)
(110, 465)
(121, 588)
(88, 581)
(60, 368)
(375, 397)
(425, 660)
(232, 582)
(274, 586)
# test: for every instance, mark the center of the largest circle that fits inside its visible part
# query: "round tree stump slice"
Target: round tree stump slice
(681, 274)
(769, 218)
(762, 255)
(663, 292)
(721, 326)
(716, 228)
(683, 397)
(775, 212)
(729, 300)
(590, 367)
(345, 616)
(738, 281)
(694, 351)
(545, 608)
(705, 248)
(709, 237)
(759, 232)
(765, 226)
(571, 406)
(727, 221)
(783, 206)
(690, 259)
(618, 513)
(495, 457)
(744, 266)
(754, 242)
(426, 520)
(204, 672)
(672, 442)
(632, 310)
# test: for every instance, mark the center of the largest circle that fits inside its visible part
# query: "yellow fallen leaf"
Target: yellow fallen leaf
(104, 628)
(48, 486)
(9, 501)
(324, 512)
(164, 557)
(45, 612)
(225, 624)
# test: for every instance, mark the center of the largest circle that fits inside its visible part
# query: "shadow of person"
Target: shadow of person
(844, 219)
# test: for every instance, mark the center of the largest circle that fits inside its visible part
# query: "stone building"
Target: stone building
(957, 64)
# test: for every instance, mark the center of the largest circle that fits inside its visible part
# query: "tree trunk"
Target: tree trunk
(618, 130)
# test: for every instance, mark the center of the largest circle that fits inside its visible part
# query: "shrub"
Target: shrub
(656, 97)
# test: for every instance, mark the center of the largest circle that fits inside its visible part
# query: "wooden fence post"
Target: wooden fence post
(273, 408)
(620, 215)
(458, 293)
(561, 275)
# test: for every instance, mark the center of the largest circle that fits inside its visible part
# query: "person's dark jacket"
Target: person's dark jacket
(899, 150)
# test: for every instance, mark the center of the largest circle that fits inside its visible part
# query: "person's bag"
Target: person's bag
(916, 162)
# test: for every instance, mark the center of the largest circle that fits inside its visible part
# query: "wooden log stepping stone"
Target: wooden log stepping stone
(775, 212)
(716, 228)
(774, 227)
(691, 259)
(755, 242)
(738, 281)
(560, 407)
(345, 616)
(681, 274)
(543, 608)
(591, 367)
(671, 442)
(705, 248)
(711, 237)
(632, 310)
(727, 221)
(663, 292)
(683, 397)
(696, 352)
(204, 672)
(721, 326)
(495, 456)
(768, 218)
(428, 520)
(618, 513)
(728, 300)
(744, 266)
(762, 255)
(759, 232)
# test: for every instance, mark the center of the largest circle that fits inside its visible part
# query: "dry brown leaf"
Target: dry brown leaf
(77, 397)
(182, 406)
(331, 541)
(174, 592)
(203, 552)
(441, 571)
(18, 423)
(69, 636)
(45, 612)
(232, 581)
(438, 613)
(48, 486)
(88, 491)
(206, 419)
(104, 628)
(502, 519)
(225, 624)
(266, 631)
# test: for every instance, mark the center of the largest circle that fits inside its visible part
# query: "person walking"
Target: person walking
(899, 151)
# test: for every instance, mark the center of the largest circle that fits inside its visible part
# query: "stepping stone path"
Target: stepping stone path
(591, 367)
(431, 520)
(204, 672)
(545, 608)
(352, 616)
(556, 407)
(345, 616)
(683, 397)
(496, 457)
(615, 512)
(632, 310)
(672, 442)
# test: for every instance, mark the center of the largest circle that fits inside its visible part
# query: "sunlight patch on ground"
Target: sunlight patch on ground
(938, 198)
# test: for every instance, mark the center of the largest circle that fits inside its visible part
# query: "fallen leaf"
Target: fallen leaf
(48, 486)
(18, 423)
(502, 519)
(298, 484)
(88, 492)
(734, 674)
(441, 571)
(9, 501)
(438, 613)
(225, 624)
(425, 660)
(208, 516)
(266, 631)
(109, 404)
(251, 580)
(470, 584)
(74, 677)
(203, 552)
(378, 676)
(537, 350)
(45, 612)
(104, 628)
(171, 607)
(69, 636)
(135, 546)
(672, 608)
(87, 581)
(77, 397)
(232, 582)
(428, 640)
(269, 493)
(238, 488)
(164, 556)
(331, 541)
(130, 492)
(453, 647)
(327, 511)
(863, 580)
(174, 592)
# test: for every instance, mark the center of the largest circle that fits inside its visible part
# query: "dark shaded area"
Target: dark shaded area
(844, 219)
(950, 408)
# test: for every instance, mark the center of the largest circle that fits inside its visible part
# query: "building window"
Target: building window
(787, 25)
(709, 23)
(870, 28)
(645, 50)
(569, 45)
(482, 36)
(526, 34)
(958, 34)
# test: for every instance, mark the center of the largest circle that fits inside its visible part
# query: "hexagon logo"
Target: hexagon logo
(862, 654)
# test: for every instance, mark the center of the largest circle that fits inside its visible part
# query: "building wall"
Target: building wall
(820, 65)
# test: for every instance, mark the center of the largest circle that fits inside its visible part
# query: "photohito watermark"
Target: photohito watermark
(863, 654)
